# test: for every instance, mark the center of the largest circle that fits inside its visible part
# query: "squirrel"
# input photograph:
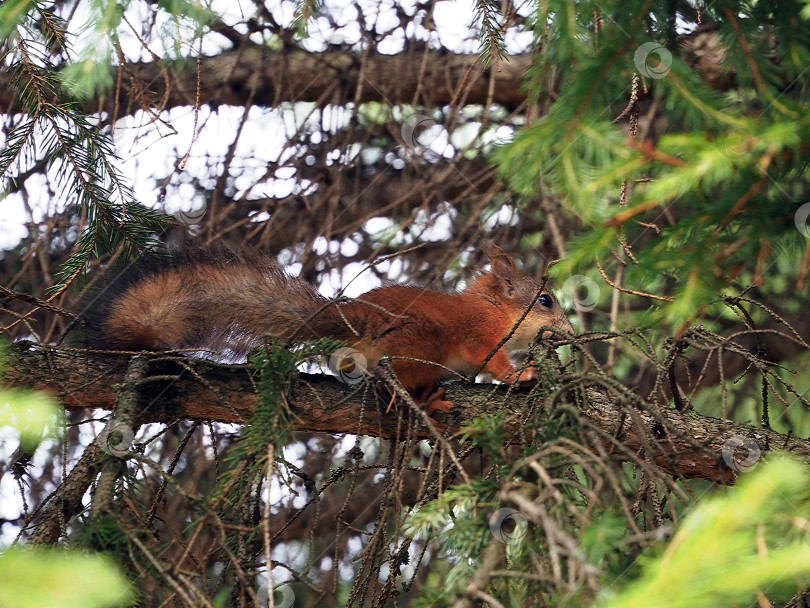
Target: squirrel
(229, 302)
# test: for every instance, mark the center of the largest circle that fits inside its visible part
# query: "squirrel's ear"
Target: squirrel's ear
(503, 268)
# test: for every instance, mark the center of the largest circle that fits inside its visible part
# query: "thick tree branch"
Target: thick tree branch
(689, 445)
(332, 77)
(293, 75)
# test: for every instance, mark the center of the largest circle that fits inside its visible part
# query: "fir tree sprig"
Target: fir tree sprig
(305, 11)
(65, 137)
(488, 15)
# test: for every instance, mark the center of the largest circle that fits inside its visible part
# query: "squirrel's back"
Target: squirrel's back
(221, 301)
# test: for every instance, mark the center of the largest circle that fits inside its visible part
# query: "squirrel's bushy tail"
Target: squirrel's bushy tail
(222, 301)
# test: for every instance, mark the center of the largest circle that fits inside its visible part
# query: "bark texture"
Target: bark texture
(253, 74)
(686, 444)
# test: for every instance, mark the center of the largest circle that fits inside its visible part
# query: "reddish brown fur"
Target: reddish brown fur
(231, 305)
(458, 331)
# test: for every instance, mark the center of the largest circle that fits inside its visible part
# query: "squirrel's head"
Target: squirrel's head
(516, 293)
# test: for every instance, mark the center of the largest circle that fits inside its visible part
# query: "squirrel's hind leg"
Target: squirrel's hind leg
(434, 402)
(430, 400)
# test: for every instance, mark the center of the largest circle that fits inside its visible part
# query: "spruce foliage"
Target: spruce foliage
(722, 184)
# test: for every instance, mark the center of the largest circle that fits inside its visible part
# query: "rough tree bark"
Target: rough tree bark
(295, 75)
(268, 77)
(689, 445)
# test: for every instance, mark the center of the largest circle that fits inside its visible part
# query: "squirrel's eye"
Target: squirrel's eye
(545, 300)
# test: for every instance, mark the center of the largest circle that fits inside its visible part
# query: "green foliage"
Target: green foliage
(259, 449)
(276, 366)
(488, 15)
(486, 433)
(457, 521)
(61, 134)
(754, 538)
(749, 539)
(305, 11)
(607, 531)
(197, 14)
(91, 72)
(47, 72)
(12, 14)
(732, 167)
(103, 532)
(742, 400)
(31, 414)
(460, 522)
(43, 578)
